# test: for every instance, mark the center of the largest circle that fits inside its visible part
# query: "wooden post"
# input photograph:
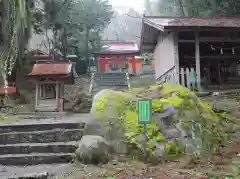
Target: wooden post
(44, 91)
(103, 63)
(37, 94)
(183, 77)
(188, 78)
(62, 90)
(197, 58)
(40, 91)
(118, 62)
(57, 91)
(176, 53)
(134, 64)
(193, 78)
(219, 76)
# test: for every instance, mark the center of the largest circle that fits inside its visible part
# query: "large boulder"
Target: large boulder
(181, 122)
(92, 150)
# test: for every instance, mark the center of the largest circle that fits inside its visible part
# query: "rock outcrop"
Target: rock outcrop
(92, 150)
(181, 122)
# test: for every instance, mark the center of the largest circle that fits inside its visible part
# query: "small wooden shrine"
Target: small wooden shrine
(50, 79)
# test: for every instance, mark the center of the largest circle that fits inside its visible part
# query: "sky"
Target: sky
(136, 4)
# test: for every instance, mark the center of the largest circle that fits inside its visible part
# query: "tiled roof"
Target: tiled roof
(164, 22)
(118, 47)
(122, 52)
(51, 69)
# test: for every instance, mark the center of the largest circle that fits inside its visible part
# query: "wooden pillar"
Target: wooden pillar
(57, 91)
(37, 94)
(197, 58)
(40, 91)
(118, 62)
(44, 91)
(62, 90)
(103, 63)
(133, 64)
(176, 54)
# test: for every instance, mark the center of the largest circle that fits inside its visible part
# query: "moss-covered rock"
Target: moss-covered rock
(181, 122)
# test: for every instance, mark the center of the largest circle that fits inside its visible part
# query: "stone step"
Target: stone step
(56, 135)
(41, 126)
(36, 158)
(117, 88)
(111, 84)
(26, 148)
(110, 74)
(42, 114)
(110, 80)
(43, 175)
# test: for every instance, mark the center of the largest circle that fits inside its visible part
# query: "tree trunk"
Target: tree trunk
(86, 48)
(64, 43)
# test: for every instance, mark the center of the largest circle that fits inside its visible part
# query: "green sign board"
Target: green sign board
(144, 111)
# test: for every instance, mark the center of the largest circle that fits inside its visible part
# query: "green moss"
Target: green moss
(173, 149)
(4, 119)
(122, 106)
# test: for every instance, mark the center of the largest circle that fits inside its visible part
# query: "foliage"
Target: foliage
(196, 8)
(17, 20)
(76, 24)
(122, 107)
(124, 27)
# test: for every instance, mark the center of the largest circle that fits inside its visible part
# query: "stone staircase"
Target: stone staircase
(47, 141)
(116, 81)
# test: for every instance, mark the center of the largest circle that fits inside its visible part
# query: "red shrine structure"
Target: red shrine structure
(117, 56)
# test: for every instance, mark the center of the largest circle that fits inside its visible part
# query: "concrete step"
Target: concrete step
(110, 74)
(36, 158)
(27, 148)
(39, 126)
(56, 135)
(117, 88)
(109, 79)
(43, 175)
(111, 84)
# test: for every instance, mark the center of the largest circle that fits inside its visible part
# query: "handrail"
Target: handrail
(164, 76)
(91, 83)
(128, 80)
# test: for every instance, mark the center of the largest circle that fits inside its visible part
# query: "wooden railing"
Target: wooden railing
(188, 78)
(168, 77)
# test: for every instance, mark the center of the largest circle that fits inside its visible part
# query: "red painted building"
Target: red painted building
(117, 56)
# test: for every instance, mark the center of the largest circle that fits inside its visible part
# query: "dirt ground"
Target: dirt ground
(215, 166)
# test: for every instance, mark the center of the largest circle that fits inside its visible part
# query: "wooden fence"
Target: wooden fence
(188, 78)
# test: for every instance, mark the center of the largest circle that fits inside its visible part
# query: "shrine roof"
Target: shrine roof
(118, 48)
(161, 23)
(51, 69)
(123, 52)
